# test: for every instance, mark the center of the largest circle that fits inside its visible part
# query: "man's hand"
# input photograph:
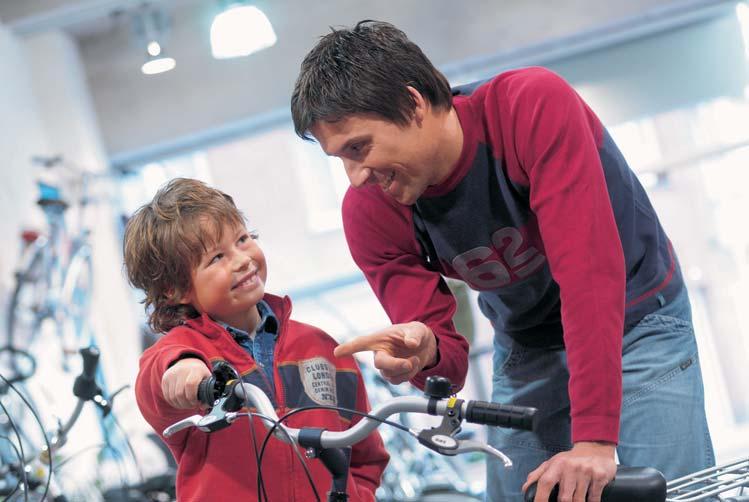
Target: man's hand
(586, 468)
(179, 384)
(400, 351)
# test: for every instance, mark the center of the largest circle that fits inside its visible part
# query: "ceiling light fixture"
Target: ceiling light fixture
(151, 27)
(240, 30)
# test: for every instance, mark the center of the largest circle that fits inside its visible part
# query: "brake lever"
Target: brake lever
(469, 445)
(217, 419)
(182, 424)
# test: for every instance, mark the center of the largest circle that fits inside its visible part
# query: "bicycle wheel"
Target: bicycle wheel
(29, 301)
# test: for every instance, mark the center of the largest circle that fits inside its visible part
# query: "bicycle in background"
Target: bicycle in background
(50, 303)
(31, 451)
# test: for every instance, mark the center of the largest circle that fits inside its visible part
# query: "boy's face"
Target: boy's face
(230, 279)
(400, 159)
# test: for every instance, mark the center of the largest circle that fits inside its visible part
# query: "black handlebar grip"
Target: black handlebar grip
(206, 391)
(502, 415)
(90, 362)
(643, 484)
(84, 386)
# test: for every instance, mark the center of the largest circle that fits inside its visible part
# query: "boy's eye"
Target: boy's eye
(216, 258)
(251, 234)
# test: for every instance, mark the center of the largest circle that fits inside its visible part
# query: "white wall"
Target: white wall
(47, 109)
(21, 135)
(69, 121)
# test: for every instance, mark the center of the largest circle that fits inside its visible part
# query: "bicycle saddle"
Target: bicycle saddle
(640, 484)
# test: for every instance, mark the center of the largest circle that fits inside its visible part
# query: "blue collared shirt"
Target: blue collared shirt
(261, 345)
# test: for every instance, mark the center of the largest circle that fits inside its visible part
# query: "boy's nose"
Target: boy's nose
(243, 262)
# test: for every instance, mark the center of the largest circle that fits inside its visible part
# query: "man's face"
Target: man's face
(376, 151)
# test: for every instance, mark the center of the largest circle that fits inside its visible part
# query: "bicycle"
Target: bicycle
(54, 278)
(29, 471)
(227, 395)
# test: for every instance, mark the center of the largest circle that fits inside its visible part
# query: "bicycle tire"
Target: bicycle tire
(28, 301)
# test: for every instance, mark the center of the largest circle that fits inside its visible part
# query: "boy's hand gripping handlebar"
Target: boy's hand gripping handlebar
(227, 397)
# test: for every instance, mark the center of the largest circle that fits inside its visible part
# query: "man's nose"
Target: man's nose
(358, 175)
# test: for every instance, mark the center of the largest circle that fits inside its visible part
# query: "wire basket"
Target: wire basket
(708, 484)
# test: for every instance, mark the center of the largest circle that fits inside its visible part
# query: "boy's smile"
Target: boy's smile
(229, 279)
(249, 281)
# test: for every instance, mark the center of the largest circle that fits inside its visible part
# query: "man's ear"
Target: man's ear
(421, 105)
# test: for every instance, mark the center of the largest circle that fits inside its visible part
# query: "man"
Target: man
(513, 186)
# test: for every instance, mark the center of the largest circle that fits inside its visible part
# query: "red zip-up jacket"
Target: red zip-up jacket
(222, 465)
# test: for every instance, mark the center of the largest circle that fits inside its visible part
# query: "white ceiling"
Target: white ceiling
(81, 18)
(203, 98)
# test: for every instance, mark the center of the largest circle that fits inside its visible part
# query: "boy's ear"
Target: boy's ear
(178, 298)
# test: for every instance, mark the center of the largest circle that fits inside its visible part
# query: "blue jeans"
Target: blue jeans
(663, 422)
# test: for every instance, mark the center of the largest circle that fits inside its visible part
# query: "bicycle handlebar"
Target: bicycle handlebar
(234, 394)
(500, 415)
(228, 395)
(478, 412)
(90, 357)
(85, 389)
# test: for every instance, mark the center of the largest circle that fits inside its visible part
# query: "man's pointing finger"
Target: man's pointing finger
(375, 341)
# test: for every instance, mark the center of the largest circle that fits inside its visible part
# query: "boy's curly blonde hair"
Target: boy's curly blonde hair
(165, 241)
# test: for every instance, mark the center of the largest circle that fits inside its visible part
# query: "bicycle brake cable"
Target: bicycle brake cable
(322, 407)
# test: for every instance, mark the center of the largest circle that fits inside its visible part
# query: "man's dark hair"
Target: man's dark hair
(364, 69)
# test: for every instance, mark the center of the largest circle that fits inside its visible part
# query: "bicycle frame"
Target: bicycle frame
(49, 282)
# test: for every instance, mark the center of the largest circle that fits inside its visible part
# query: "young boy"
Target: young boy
(203, 275)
